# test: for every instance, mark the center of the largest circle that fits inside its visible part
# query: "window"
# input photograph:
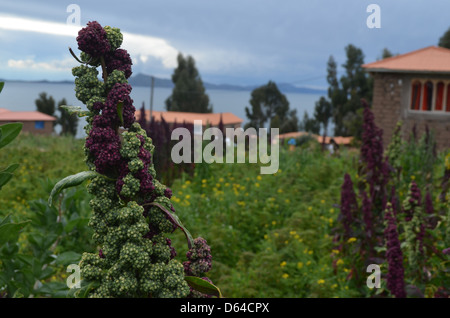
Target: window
(415, 98)
(439, 96)
(427, 96)
(39, 125)
(430, 96)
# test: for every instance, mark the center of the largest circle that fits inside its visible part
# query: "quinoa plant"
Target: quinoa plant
(132, 214)
(394, 255)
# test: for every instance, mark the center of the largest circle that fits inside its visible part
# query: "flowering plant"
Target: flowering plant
(131, 210)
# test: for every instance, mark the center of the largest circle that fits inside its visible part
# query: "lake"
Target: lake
(21, 96)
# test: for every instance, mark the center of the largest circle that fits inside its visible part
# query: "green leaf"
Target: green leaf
(71, 181)
(68, 258)
(79, 222)
(2, 84)
(4, 178)
(176, 221)
(6, 174)
(203, 286)
(9, 132)
(9, 232)
(75, 110)
(11, 168)
(120, 111)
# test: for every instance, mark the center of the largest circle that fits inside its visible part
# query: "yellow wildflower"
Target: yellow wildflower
(321, 281)
(285, 275)
(351, 240)
(283, 264)
(299, 264)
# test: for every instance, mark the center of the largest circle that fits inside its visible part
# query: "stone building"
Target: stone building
(34, 122)
(413, 88)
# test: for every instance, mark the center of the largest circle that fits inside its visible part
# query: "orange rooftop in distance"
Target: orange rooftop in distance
(33, 121)
(229, 120)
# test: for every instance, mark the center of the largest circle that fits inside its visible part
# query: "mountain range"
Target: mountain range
(145, 81)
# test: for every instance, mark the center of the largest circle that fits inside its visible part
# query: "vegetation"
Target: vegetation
(342, 104)
(188, 94)
(46, 104)
(270, 108)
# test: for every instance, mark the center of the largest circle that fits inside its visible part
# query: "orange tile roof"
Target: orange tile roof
(7, 115)
(338, 139)
(429, 59)
(180, 117)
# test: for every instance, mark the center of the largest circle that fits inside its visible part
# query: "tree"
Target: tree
(345, 95)
(45, 104)
(323, 113)
(69, 123)
(386, 53)
(310, 125)
(269, 107)
(444, 40)
(188, 94)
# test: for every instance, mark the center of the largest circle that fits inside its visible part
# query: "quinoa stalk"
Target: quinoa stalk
(129, 206)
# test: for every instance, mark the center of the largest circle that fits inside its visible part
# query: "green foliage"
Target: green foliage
(444, 40)
(188, 94)
(45, 104)
(346, 93)
(203, 286)
(34, 252)
(8, 132)
(323, 112)
(270, 234)
(68, 122)
(310, 125)
(269, 107)
(71, 181)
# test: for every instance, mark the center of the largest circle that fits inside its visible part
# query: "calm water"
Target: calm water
(21, 97)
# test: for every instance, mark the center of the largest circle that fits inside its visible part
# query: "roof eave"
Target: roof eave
(388, 70)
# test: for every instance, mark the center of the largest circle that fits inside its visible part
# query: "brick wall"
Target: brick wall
(390, 104)
(29, 126)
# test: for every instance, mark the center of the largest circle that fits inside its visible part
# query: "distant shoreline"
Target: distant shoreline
(143, 80)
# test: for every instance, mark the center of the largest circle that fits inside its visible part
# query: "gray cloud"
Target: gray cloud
(244, 42)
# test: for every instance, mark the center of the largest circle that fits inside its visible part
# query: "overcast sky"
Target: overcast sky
(235, 42)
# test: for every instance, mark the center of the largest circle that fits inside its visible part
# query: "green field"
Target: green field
(270, 235)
